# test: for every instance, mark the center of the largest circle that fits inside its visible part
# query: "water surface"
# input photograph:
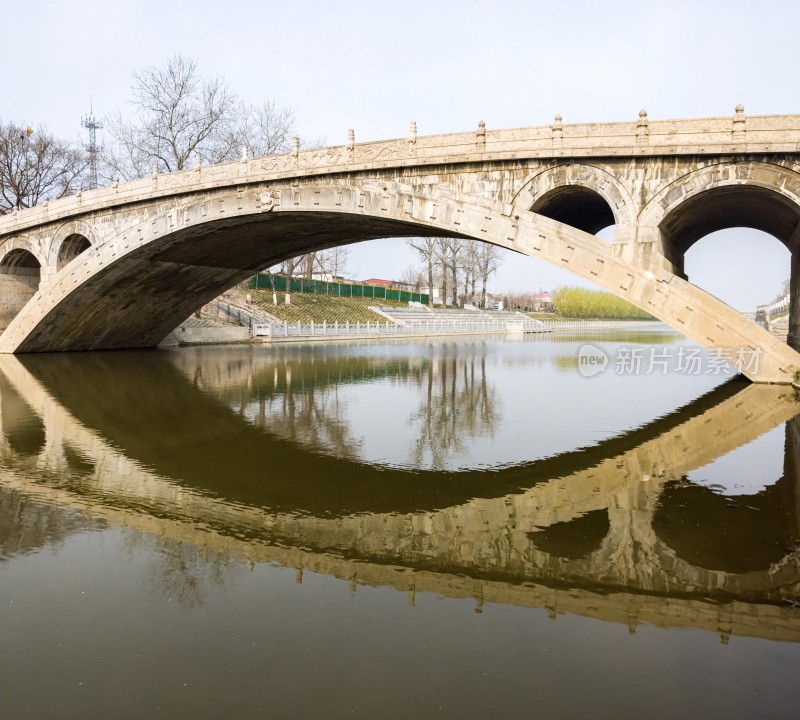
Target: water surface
(460, 528)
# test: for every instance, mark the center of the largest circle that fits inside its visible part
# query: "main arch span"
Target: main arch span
(122, 266)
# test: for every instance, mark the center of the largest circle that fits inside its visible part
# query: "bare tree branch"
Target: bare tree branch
(489, 260)
(178, 114)
(426, 248)
(36, 166)
(263, 129)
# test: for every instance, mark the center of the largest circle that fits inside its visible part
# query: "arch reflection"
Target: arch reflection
(191, 464)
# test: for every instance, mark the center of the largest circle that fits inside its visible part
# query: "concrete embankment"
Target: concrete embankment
(376, 336)
(216, 335)
(199, 335)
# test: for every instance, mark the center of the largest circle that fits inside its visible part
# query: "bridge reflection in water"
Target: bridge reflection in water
(245, 455)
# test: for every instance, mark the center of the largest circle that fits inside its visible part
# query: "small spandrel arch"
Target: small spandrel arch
(72, 246)
(589, 198)
(577, 206)
(20, 275)
(20, 262)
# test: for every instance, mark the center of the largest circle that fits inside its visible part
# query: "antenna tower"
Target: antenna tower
(92, 125)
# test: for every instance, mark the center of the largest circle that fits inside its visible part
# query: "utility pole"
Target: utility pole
(92, 125)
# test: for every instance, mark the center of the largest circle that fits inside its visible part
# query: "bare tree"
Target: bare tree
(413, 277)
(264, 129)
(452, 250)
(289, 267)
(333, 261)
(469, 263)
(489, 259)
(443, 262)
(270, 273)
(308, 264)
(426, 248)
(35, 165)
(448, 260)
(179, 115)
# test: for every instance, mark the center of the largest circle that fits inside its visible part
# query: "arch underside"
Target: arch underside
(72, 246)
(577, 206)
(153, 289)
(20, 275)
(131, 291)
(729, 207)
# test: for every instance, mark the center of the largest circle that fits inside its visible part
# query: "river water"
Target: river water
(463, 528)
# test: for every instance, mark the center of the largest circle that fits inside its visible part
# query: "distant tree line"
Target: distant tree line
(525, 301)
(456, 266)
(577, 302)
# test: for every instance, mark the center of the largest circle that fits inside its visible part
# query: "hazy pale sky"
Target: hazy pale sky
(376, 66)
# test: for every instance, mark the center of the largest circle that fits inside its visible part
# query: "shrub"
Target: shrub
(576, 302)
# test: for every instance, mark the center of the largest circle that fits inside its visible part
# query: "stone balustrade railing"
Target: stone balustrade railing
(776, 308)
(762, 134)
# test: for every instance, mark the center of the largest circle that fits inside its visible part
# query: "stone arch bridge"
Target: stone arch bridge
(120, 267)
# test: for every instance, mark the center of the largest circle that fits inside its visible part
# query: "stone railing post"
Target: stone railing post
(480, 137)
(739, 134)
(412, 139)
(642, 129)
(557, 131)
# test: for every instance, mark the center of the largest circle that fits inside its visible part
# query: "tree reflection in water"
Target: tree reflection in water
(301, 397)
(457, 406)
(184, 572)
(27, 526)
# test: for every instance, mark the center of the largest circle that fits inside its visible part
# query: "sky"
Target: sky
(375, 66)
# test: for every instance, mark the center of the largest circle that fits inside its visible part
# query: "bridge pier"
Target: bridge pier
(794, 302)
(792, 465)
(47, 277)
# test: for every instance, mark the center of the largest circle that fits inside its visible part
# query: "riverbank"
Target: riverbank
(322, 333)
(309, 307)
(242, 316)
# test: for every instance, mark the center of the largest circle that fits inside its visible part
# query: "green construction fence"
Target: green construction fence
(321, 287)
